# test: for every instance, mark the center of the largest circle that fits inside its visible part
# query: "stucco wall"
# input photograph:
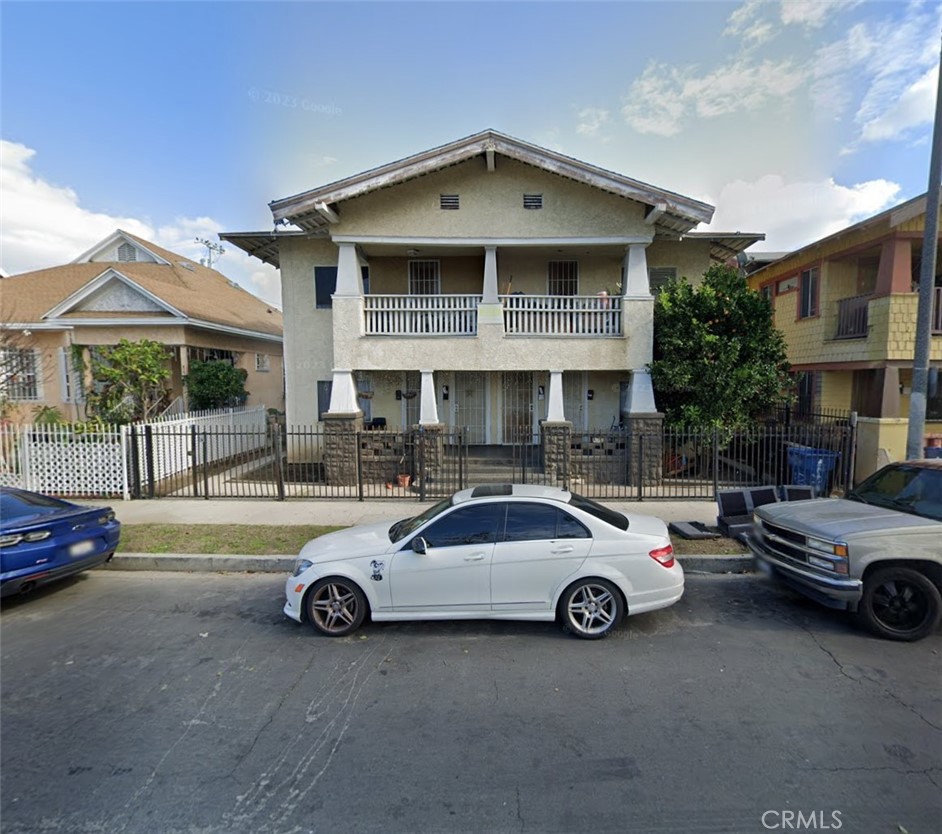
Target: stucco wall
(691, 258)
(491, 206)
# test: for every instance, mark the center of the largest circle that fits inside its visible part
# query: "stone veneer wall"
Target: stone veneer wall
(557, 452)
(651, 426)
(340, 447)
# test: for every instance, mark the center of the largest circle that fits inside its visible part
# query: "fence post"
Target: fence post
(194, 461)
(641, 466)
(149, 459)
(716, 462)
(461, 453)
(421, 463)
(359, 452)
(125, 491)
(134, 464)
(851, 454)
(279, 468)
(204, 433)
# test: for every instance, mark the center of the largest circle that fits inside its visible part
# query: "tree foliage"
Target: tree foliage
(215, 384)
(129, 381)
(718, 359)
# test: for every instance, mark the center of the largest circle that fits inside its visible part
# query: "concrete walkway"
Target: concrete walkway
(341, 513)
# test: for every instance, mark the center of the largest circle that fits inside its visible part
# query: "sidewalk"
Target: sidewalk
(340, 513)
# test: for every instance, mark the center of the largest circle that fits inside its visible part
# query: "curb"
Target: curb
(204, 563)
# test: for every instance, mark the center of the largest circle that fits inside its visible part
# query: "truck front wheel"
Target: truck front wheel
(900, 604)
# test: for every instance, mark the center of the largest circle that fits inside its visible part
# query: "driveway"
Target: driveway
(187, 703)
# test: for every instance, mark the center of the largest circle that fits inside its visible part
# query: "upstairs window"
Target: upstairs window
(533, 201)
(808, 306)
(325, 285)
(262, 362)
(786, 285)
(449, 202)
(659, 276)
(563, 278)
(424, 278)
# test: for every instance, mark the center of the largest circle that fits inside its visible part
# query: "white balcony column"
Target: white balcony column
(428, 408)
(636, 271)
(490, 275)
(343, 393)
(641, 393)
(554, 405)
(349, 276)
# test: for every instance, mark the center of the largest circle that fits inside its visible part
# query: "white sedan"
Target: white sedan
(493, 552)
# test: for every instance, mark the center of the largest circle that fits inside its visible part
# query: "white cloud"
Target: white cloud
(794, 214)
(591, 121)
(813, 13)
(743, 23)
(916, 106)
(664, 97)
(45, 225)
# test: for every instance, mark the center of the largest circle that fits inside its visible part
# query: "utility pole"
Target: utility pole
(917, 399)
(211, 250)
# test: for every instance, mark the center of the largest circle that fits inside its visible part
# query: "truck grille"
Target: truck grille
(785, 543)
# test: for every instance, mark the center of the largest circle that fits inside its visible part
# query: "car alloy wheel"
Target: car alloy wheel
(591, 608)
(900, 604)
(336, 607)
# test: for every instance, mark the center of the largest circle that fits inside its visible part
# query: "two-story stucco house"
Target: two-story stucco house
(125, 287)
(488, 284)
(847, 306)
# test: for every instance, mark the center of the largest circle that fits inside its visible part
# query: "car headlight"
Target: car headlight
(831, 548)
(301, 565)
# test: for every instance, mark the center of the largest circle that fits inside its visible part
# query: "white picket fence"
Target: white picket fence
(82, 461)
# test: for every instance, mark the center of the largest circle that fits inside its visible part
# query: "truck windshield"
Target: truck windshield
(910, 489)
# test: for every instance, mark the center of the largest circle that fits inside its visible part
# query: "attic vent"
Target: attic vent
(449, 201)
(127, 253)
(533, 201)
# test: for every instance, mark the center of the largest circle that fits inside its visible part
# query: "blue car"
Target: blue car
(43, 539)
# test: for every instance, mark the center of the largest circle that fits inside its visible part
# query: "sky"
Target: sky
(174, 121)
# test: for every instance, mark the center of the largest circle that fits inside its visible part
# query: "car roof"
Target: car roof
(512, 491)
(928, 463)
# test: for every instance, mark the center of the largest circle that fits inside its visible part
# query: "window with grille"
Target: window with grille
(424, 278)
(449, 201)
(533, 201)
(563, 278)
(262, 362)
(19, 374)
(659, 276)
(70, 377)
(199, 354)
(127, 253)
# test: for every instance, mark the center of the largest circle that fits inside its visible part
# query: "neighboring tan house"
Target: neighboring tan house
(847, 306)
(128, 288)
(488, 284)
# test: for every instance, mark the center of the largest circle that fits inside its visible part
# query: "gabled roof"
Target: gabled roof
(672, 214)
(190, 293)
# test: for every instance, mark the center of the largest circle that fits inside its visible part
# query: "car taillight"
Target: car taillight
(664, 555)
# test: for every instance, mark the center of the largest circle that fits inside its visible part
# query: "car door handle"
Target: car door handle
(476, 557)
(562, 550)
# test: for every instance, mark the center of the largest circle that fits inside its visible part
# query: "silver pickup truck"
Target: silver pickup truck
(876, 552)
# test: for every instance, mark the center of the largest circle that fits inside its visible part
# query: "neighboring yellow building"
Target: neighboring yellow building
(847, 306)
(128, 288)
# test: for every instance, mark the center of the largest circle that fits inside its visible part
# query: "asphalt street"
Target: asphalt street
(144, 702)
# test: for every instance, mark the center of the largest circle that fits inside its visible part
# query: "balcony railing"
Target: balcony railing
(852, 317)
(421, 315)
(937, 310)
(562, 315)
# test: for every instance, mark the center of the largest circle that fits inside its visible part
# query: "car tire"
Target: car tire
(336, 607)
(591, 608)
(900, 604)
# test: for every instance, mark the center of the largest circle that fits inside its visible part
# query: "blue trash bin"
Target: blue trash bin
(932, 452)
(811, 467)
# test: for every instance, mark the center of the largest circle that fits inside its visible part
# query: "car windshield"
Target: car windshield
(405, 528)
(602, 513)
(910, 489)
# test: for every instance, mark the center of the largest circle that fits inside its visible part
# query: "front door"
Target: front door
(517, 419)
(469, 397)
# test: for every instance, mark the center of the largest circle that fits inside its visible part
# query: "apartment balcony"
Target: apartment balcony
(591, 316)
(852, 317)
(421, 315)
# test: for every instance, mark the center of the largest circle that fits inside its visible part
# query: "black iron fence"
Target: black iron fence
(279, 463)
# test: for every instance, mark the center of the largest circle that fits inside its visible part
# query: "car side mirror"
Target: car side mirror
(419, 545)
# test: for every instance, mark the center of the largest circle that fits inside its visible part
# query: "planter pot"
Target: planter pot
(404, 480)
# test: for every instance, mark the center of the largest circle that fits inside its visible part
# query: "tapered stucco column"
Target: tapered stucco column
(428, 410)
(636, 271)
(342, 423)
(490, 275)
(343, 394)
(645, 429)
(349, 277)
(554, 406)
(641, 393)
(490, 310)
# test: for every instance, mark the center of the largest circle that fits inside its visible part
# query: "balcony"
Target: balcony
(590, 316)
(852, 317)
(421, 315)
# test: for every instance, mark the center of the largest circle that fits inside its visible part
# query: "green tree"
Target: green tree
(129, 381)
(215, 384)
(718, 359)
